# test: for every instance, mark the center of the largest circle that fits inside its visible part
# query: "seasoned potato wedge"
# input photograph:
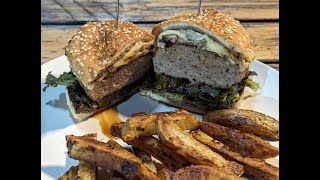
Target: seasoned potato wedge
(144, 124)
(202, 172)
(246, 144)
(107, 156)
(153, 146)
(253, 168)
(84, 171)
(146, 159)
(190, 149)
(165, 174)
(71, 174)
(248, 121)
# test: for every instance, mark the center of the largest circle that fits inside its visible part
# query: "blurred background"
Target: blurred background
(60, 19)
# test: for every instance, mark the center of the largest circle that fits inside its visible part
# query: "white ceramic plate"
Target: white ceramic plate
(56, 120)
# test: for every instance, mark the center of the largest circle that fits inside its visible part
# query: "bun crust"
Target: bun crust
(97, 46)
(220, 27)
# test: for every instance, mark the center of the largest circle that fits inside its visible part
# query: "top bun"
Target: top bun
(216, 25)
(98, 49)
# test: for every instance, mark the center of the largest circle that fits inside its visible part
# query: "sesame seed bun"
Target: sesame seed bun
(98, 49)
(216, 25)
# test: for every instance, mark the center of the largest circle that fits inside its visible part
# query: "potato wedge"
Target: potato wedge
(90, 136)
(190, 149)
(202, 172)
(248, 121)
(253, 168)
(144, 124)
(84, 171)
(71, 174)
(154, 147)
(107, 156)
(246, 144)
(145, 158)
(113, 144)
(196, 172)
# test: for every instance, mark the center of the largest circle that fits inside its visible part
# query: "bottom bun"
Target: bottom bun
(199, 109)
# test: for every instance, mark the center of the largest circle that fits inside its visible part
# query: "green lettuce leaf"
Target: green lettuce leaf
(66, 79)
(252, 84)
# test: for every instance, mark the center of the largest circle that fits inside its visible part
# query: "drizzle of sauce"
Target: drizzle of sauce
(106, 119)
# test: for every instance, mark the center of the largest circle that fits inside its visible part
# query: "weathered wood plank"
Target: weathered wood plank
(75, 11)
(265, 36)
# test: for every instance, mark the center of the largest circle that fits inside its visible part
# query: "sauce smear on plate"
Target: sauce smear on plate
(106, 119)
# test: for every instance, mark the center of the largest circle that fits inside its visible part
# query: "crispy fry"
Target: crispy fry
(71, 174)
(202, 172)
(189, 148)
(153, 146)
(113, 144)
(107, 175)
(248, 121)
(253, 168)
(107, 156)
(165, 174)
(144, 124)
(116, 128)
(90, 136)
(84, 171)
(146, 159)
(246, 144)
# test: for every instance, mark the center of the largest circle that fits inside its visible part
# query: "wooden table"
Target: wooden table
(60, 19)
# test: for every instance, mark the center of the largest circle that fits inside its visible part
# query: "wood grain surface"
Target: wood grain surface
(79, 11)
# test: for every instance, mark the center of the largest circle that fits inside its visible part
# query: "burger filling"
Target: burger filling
(81, 102)
(182, 91)
(191, 37)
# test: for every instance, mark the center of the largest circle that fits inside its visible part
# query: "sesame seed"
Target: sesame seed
(94, 73)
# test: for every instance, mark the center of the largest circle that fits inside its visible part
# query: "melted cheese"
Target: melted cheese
(211, 45)
(138, 49)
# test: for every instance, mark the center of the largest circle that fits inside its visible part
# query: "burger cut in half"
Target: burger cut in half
(107, 65)
(200, 62)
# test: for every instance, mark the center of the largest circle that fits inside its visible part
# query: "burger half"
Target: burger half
(107, 65)
(201, 62)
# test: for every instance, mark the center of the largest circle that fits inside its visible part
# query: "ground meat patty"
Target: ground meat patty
(122, 77)
(197, 65)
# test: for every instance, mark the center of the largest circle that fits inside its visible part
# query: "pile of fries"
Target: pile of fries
(212, 149)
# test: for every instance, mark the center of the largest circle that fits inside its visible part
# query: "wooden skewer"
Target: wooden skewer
(199, 7)
(117, 16)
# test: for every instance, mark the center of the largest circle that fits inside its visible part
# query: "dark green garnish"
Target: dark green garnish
(181, 90)
(252, 84)
(81, 102)
(66, 79)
